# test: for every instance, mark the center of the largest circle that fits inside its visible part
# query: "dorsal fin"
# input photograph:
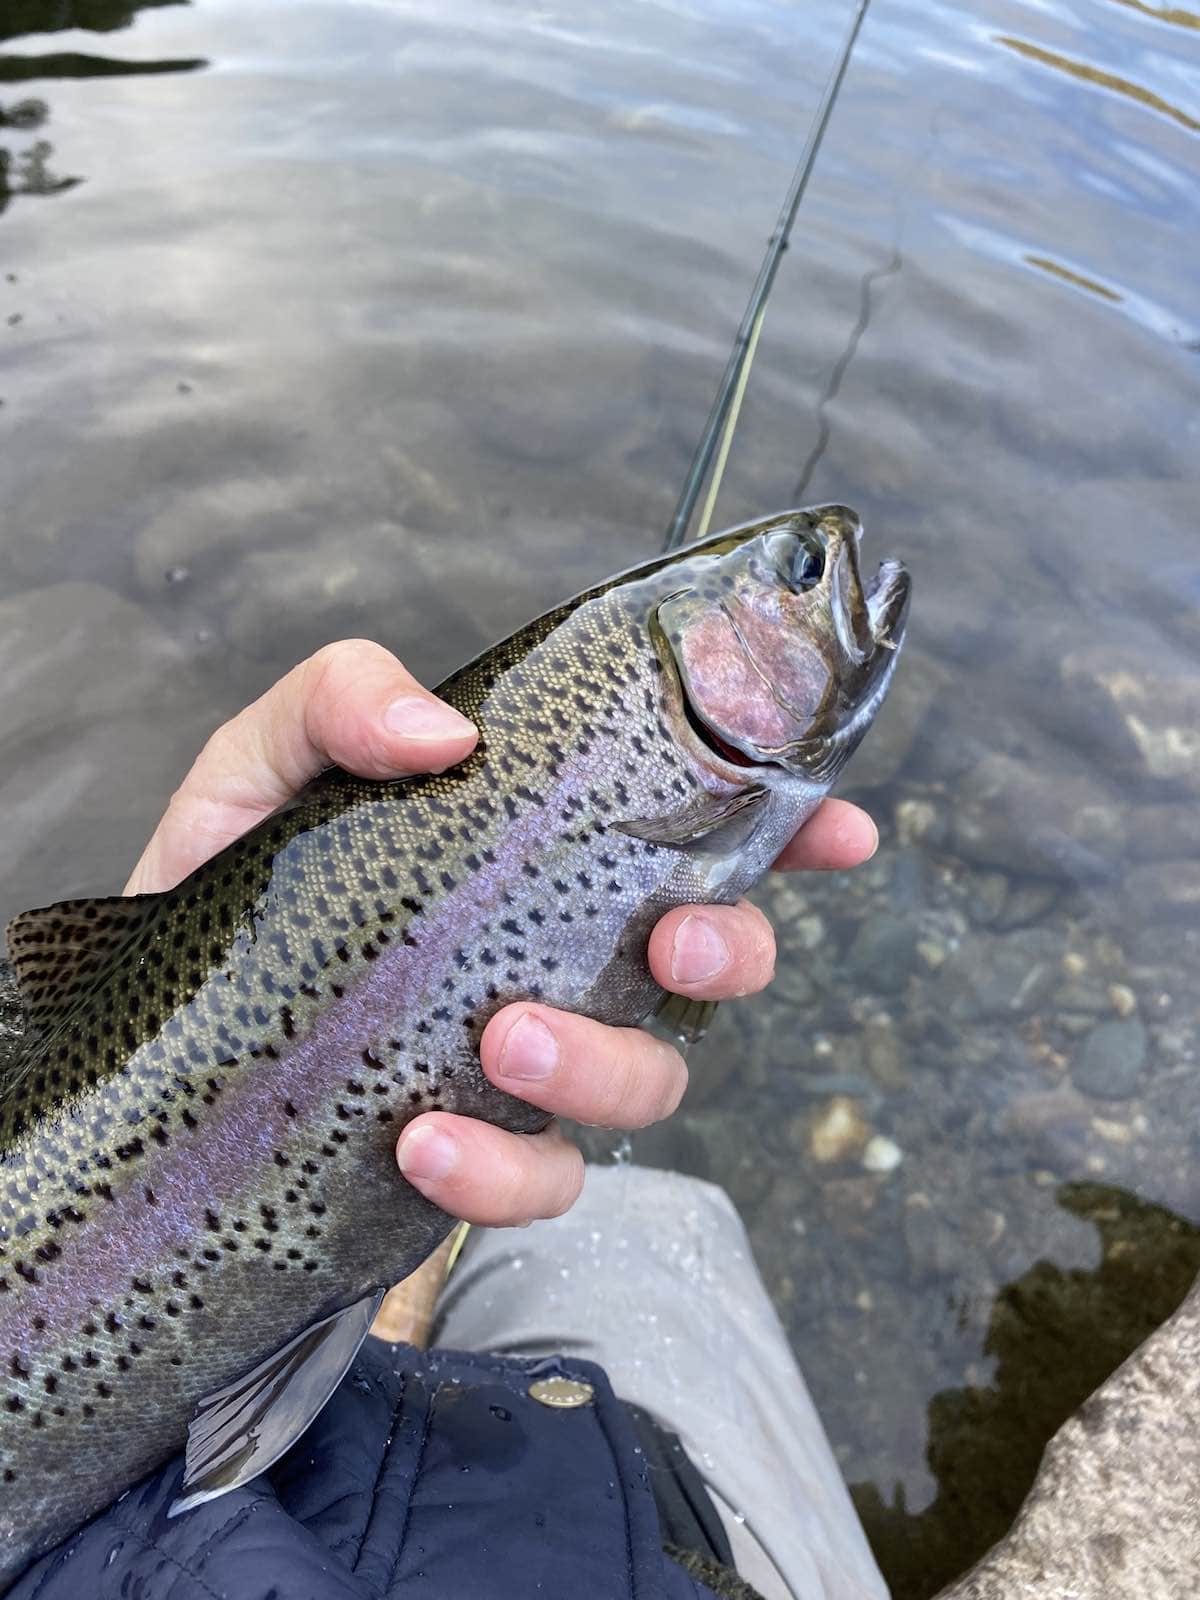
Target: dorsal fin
(62, 953)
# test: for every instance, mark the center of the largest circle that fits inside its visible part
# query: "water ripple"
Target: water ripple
(1103, 80)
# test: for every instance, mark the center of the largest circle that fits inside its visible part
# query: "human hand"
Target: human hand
(354, 705)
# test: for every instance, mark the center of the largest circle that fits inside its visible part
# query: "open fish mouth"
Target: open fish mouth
(780, 650)
(711, 739)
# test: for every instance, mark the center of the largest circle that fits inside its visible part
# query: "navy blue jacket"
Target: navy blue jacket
(428, 1477)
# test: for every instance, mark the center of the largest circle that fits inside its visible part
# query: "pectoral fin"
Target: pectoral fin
(712, 824)
(687, 1021)
(241, 1430)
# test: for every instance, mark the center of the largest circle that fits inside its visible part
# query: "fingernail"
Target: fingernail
(426, 1153)
(529, 1051)
(698, 952)
(416, 716)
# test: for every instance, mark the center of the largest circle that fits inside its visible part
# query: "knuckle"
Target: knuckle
(620, 1086)
(180, 799)
(510, 1193)
(311, 677)
(319, 677)
(218, 751)
(643, 1084)
(569, 1184)
(188, 812)
(332, 671)
(673, 1081)
(342, 652)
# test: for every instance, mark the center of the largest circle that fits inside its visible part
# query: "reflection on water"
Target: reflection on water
(57, 16)
(1172, 14)
(403, 322)
(1059, 270)
(1103, 80)
(74, 64)
(1053, 1337)
(25, 115)
(1164, 321)
(27, 172)
(24, 17)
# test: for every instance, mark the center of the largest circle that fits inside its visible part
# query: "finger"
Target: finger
(613, 1077)
(351, 704)
(486, 1175)
(836, 836)
(713, 952)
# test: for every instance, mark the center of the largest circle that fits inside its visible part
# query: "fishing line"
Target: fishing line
(841, 367)
(726, 407)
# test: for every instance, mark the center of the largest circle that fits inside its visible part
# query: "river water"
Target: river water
(401, 320)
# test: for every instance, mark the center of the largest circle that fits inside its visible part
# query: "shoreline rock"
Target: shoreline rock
(1113, 1513)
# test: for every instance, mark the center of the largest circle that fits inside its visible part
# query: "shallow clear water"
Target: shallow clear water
(402, 320)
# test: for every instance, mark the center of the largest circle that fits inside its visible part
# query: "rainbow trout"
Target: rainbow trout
(199, 1200)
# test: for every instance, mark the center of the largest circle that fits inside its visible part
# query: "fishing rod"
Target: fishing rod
(726, 407)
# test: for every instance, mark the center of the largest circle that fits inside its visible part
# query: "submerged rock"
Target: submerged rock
(1001, 975)
(1038, 821)
(838, 1132)
(1167, 889)
(1166, 831)
(1110, 1059)
(883, 953)
(885, 1053)
(1147, 720)
(934, 1245)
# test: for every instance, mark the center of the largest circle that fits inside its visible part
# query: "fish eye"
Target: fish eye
(808, 566)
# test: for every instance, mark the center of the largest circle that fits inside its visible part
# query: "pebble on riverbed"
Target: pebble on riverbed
(1109, 1062)
(838, 1132)
(882, 1155)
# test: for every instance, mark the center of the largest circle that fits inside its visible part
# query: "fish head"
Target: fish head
(777, 648)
